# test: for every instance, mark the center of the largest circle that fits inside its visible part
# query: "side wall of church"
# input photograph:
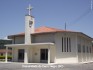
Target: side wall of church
(67, 54)
(85, 49)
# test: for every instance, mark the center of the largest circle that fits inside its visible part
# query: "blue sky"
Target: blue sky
(52, 13)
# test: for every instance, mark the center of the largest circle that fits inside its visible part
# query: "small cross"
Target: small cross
(29, 9)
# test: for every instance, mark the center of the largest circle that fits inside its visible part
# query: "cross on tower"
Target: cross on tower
(29, 9)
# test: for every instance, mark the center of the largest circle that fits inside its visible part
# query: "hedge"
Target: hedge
(3, 57)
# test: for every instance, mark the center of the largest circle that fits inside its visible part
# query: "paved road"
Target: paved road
(19, 66)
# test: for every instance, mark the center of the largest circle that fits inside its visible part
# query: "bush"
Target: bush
(9, 57)
(3, 57)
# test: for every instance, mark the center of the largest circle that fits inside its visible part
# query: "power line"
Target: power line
(82, 16)
(89, 10)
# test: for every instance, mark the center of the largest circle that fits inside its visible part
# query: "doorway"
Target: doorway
(44, 55)
(21, 55)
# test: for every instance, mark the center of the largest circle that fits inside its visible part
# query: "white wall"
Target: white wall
(85, 56)
(61, 57)
(17, 39)
(44, 38)
(36, 53)
(15, 53)
(35, 38)
(65, 57)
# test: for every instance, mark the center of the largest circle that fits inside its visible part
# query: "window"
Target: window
(83, 49)
(69, 44)
(66, 44)
(90, 49)
(62, 44)
(87, 50)
(30, 23)
(79, 48)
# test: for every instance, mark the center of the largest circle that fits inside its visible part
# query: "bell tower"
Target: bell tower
(29, 26)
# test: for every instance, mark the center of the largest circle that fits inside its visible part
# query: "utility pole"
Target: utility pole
(91, 5)
(65, 26)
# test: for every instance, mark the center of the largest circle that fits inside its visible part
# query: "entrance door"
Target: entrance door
(44, 55)
(21, 55)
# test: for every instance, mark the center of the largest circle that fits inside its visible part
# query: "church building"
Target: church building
(49, 45)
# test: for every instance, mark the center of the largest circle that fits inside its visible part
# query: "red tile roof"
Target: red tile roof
(44, 29)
